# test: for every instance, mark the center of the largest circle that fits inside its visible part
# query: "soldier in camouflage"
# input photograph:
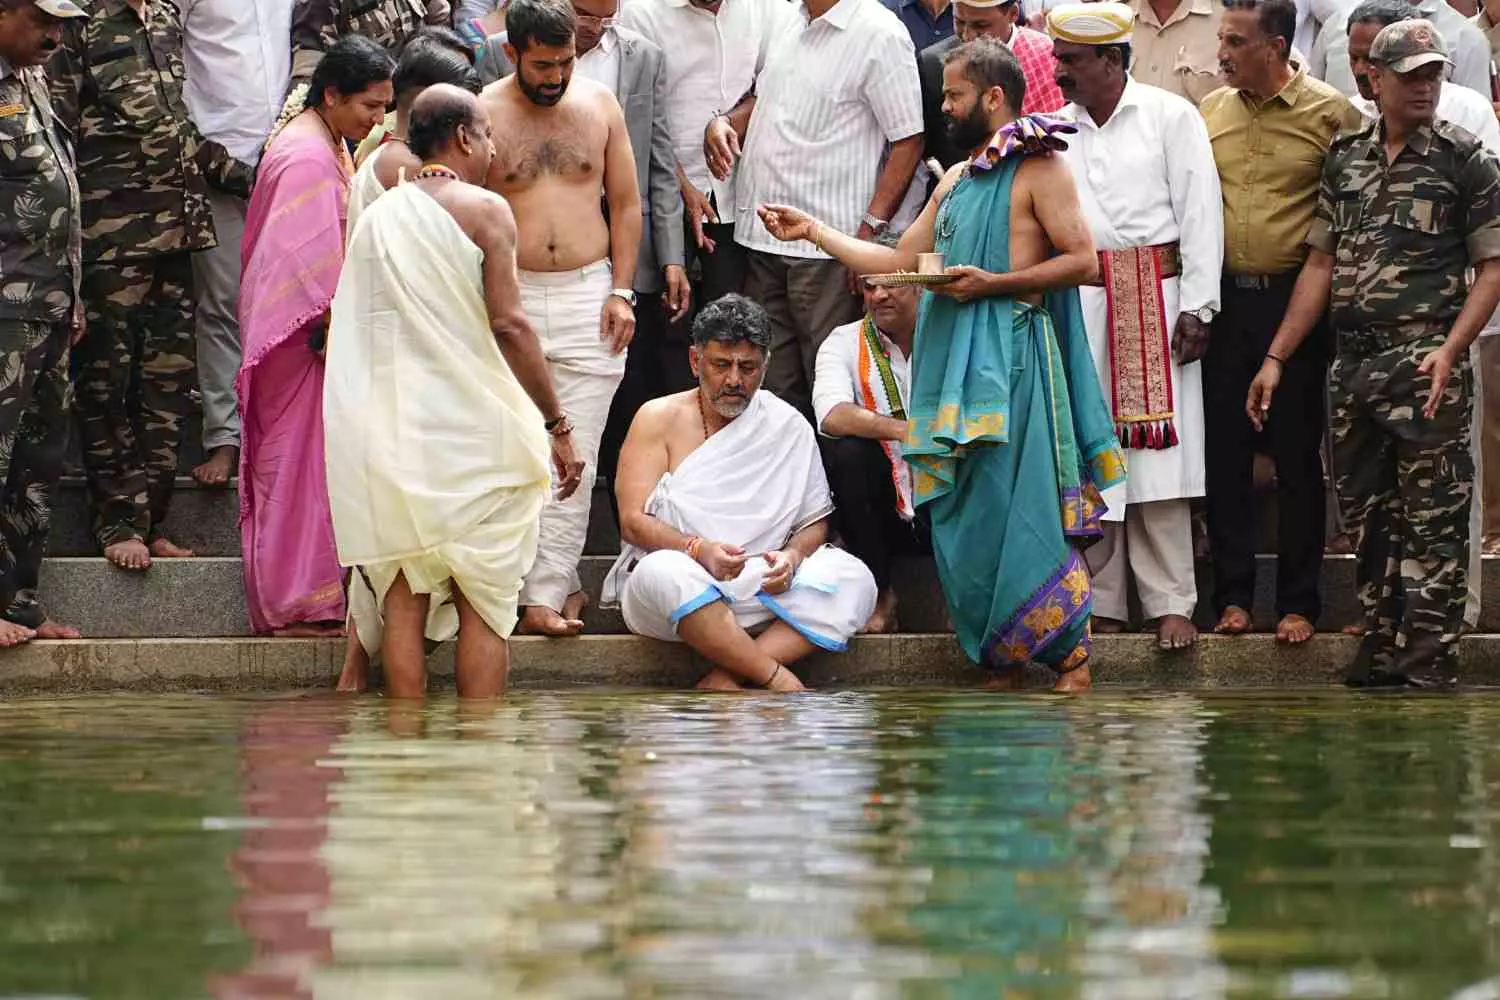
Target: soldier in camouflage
(1408, 205)
(117, 84)
(317, 24)
(40, 247)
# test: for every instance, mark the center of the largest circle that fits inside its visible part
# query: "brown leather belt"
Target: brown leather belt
(1168, 261)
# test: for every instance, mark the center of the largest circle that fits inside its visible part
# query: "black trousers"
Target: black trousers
(872, 530)
(1293, 436)
(723, 270)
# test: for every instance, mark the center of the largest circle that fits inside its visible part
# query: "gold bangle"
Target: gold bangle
(818, 237)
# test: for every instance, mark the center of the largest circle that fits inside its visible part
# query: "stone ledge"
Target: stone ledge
(913, 661)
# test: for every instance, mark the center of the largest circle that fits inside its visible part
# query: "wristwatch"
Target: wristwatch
(1205, 315)
(878, 226)
(628, 294)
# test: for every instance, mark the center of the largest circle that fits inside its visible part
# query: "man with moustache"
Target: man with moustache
(724, 511)
(566, 140)
(1407, 207)
(861, 390)
(1000, 20)
(1146, 178)
(40, 309)
(1467, 45)
(1270, 129)
(1008, 437)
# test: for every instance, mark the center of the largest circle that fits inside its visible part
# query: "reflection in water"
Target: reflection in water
(838, 846)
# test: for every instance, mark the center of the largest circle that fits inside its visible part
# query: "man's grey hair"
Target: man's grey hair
(1382, 12)
(732, 320)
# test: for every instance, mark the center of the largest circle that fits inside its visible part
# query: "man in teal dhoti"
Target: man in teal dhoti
(1008, 437)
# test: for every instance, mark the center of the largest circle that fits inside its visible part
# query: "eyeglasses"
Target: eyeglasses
(597, 22)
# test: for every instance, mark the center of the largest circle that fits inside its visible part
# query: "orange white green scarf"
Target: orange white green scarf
(879, 391)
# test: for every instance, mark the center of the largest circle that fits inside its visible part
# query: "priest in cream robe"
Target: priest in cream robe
(438, 406)
(724, 510)
(1150, 193)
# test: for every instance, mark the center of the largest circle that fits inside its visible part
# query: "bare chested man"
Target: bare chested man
(564, 142)
(1010, 486)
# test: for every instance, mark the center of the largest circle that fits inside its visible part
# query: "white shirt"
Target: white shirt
(602, 62)
(239, 64)
(1467, 45)
(712, 60)
(836, 372)
(834, 91)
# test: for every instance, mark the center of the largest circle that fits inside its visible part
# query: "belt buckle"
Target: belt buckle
(1249, 281)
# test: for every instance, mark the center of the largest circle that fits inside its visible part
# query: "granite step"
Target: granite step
(591, 663)
(204, 597)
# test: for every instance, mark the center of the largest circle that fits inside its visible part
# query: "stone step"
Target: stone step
(207, 520)
(930, 662)
(204, 597)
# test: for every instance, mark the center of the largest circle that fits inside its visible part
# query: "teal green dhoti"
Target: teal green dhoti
(1010, 444)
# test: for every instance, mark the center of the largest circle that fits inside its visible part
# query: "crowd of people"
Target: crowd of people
(1057, 292)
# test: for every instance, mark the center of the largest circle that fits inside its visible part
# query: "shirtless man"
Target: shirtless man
(565, 141)
(999, 484)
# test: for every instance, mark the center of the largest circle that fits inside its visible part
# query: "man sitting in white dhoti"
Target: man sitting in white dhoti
(438, 406)
(724, 510)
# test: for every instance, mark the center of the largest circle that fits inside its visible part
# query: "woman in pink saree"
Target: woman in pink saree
(292, 255)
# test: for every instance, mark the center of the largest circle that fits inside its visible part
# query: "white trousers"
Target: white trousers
(832, 595)
(216, 278)
(564, 308)
(1155, 544)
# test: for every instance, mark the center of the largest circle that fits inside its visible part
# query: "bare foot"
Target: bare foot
(355, 676)
(784, 682)
(1491, 545)
(1234, 621)
(574, 605)
(130, 554)
(1107, 626)
(1295, 629)
(310, 630)
(1175, 632)
(165, 548)
(1075, 681)
(538, 619)
(50, 629)
(12, 634)
(1340, 545)
(221, 465)
(1357, 630)
(1008, 679)
(719, 680)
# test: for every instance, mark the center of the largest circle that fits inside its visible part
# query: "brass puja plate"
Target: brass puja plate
(907, 278)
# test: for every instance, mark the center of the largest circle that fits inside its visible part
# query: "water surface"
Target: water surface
(844, 846)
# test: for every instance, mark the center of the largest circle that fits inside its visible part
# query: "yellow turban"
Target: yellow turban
(1091, 23)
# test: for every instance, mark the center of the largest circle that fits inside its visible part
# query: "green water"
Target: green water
(851, 846)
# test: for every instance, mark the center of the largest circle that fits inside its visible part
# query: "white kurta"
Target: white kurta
(1147, 177)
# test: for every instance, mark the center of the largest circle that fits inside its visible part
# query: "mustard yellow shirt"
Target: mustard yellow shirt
(1270, 161)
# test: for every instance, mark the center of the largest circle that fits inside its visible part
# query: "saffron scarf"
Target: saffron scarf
(880, 393)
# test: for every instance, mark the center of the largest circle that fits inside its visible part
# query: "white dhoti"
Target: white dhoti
(437, 459)
(564, 308)
(754, 484)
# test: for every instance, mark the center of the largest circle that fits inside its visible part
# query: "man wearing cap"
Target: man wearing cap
(1000, 20)
(40, 312)
(1146, 179)
(1468, 49)
(1407, 206)
(1270, 129)
(144, 172)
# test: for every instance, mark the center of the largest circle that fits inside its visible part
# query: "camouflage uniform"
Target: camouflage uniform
(317, 24)
(40, 247)
(117, 83)
(1402, 237)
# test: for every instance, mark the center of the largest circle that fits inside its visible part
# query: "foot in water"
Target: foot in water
(165, 548)
(12, 634)
(220, 467)
(1075, 681)
(1009, 679)
(718, 680)
(538, 619)
(130, 554)
(1174, 632)
(50, 629)
(1234, 621)
(355, 676)
(1294, 629)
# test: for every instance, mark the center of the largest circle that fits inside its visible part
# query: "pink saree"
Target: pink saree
(292, 254)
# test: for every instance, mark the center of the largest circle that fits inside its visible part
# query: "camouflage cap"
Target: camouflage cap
(1408, 45)
(60, 8)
